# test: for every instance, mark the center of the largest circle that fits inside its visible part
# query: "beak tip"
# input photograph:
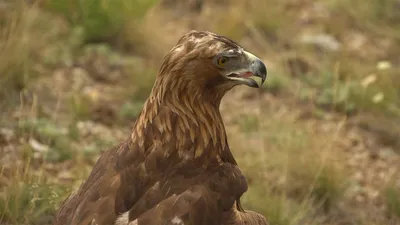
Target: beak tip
(257, 67)
(261, 71)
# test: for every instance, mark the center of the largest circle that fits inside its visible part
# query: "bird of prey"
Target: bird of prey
(176, 167)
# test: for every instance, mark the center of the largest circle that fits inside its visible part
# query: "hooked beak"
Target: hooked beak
(253, 67)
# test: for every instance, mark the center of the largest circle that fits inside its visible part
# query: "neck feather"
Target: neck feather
(190, 125)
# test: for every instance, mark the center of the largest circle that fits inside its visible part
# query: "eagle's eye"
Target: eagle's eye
(221, 61)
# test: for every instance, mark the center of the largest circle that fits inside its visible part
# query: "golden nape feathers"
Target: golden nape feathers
(176, 166)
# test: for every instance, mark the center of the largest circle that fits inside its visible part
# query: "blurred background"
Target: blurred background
(319, 143)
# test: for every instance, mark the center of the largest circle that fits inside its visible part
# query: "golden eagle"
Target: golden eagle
(176, 166)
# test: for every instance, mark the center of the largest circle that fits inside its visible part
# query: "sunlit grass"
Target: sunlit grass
(382, 18)
(277, 207)
(27, 197)
(392, 201)
(24, 32)
(290, 173)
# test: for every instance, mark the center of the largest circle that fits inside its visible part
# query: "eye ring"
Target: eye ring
(222, 61)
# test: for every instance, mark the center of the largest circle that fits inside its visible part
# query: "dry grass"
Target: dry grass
(292, 173)
(116, 22)
(28, 198)
(380, 18)
(391, 193)
(24, 31)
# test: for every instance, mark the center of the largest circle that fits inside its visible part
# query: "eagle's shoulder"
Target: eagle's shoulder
(198, 198)
(116, 193)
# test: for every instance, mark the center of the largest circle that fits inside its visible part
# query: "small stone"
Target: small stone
(383, 65)
(37, 146)
(6, 135)
(324, 41)
(65, 176)
(377, 98)
(387, 153)
(367, 81)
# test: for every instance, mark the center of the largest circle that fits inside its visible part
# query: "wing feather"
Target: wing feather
(195, 200)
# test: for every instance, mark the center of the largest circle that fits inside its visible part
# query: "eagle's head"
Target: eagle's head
(209, 64)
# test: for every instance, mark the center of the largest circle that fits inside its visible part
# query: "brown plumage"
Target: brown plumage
(176, 166)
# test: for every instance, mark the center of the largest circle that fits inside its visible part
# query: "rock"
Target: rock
(324, 41)
(37, 146)
(6, 135)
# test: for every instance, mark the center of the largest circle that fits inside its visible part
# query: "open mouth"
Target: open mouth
(241, 75)
(244, 78)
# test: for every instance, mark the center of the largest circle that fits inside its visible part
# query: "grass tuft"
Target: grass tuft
(24, 32)
(277, 207)
(248, 123)
(101, 20)
(28, 198)
(52, 137)
(392, 199)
